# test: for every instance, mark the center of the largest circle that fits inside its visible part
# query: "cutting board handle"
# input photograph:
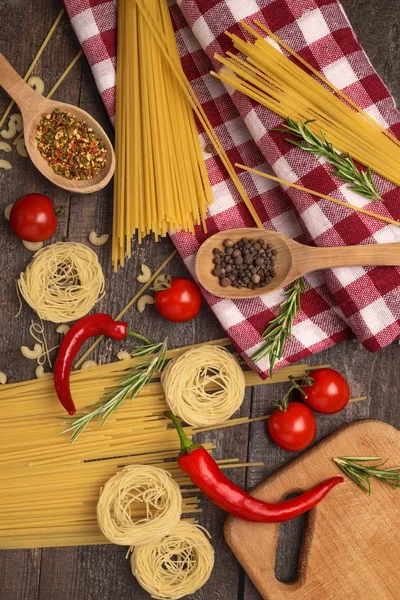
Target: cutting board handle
(293, 587)
(260, 575)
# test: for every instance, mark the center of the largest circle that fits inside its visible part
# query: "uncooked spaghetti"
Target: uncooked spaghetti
(63, 282)
(49, 489)
(122, 499)
(275, 81)
(204, 386)
(178, 564)
(156, 136)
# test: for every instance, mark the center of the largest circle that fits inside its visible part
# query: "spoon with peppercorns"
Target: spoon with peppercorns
(64, 142)
(244, 263)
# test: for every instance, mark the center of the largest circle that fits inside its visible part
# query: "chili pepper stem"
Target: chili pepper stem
(138, 336)
(186, 445)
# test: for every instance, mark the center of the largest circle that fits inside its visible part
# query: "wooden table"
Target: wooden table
(101, 572)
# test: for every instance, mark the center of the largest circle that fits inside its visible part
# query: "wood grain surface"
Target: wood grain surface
(345, 537)
(93, 573)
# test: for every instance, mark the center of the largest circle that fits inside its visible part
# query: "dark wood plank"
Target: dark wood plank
(26, 25)
(377, 27)
(23, 178)
(87, 573)
(19, 574)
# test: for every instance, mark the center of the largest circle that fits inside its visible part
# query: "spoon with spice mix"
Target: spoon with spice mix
(244, 263)
(64, 142)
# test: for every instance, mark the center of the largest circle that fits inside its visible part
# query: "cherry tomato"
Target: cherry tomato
(33, 219)
(329, 392)
(180, 302)
(292, 429)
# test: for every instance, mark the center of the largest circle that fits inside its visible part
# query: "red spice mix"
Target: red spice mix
(70, 147)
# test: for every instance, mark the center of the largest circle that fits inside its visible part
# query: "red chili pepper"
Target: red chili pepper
(195, 461)
(99, 324)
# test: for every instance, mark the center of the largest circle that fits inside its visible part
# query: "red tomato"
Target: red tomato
(329, 392)
(294, 428)
(180, 302)
(33, 219)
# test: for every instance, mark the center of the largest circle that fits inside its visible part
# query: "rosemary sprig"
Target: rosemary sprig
(280, 329)
(344, 167)
(361, 474)
(129, 387)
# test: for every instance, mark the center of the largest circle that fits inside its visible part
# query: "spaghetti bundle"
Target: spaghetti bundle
(178, 564)
(121, 501)
(269, 77)
(161, 182)
(49, 489)
(204, 386)
(63, 282)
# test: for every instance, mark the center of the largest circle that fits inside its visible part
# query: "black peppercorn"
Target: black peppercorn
(225, 282)
(244, 263)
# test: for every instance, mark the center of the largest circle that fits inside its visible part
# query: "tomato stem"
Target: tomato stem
(284, 402)
(162, 282)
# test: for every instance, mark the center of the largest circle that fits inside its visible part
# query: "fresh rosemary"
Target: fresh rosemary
(130, 386)
(361, 474)
(280, 329)
(344, 167)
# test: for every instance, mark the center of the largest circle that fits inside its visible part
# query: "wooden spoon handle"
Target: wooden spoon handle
(26, 98)
(351, 256)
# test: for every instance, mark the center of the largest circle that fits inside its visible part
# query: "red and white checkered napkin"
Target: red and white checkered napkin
(338, 302)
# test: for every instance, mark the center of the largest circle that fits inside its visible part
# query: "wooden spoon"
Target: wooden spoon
(33, 107)
(292, 260)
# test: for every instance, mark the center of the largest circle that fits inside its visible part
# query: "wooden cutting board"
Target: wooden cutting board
(351, 545)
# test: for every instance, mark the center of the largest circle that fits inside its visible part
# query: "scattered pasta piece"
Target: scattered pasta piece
(9, 133)
(21, 149)
(17, 119)
(88, 364)
(40, 372)
(143, 301)
(4, 164)
(7, 211)
(123, 355)
(98, 240)
(204, 386)
(5, 147)
(32, 354)
(37, 84)
(121, 503)
(32, 246)
(146, 274)
(63, 329)
(177, 565)
(3, 378)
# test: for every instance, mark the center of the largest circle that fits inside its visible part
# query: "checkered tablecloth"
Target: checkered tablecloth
(339, 302)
